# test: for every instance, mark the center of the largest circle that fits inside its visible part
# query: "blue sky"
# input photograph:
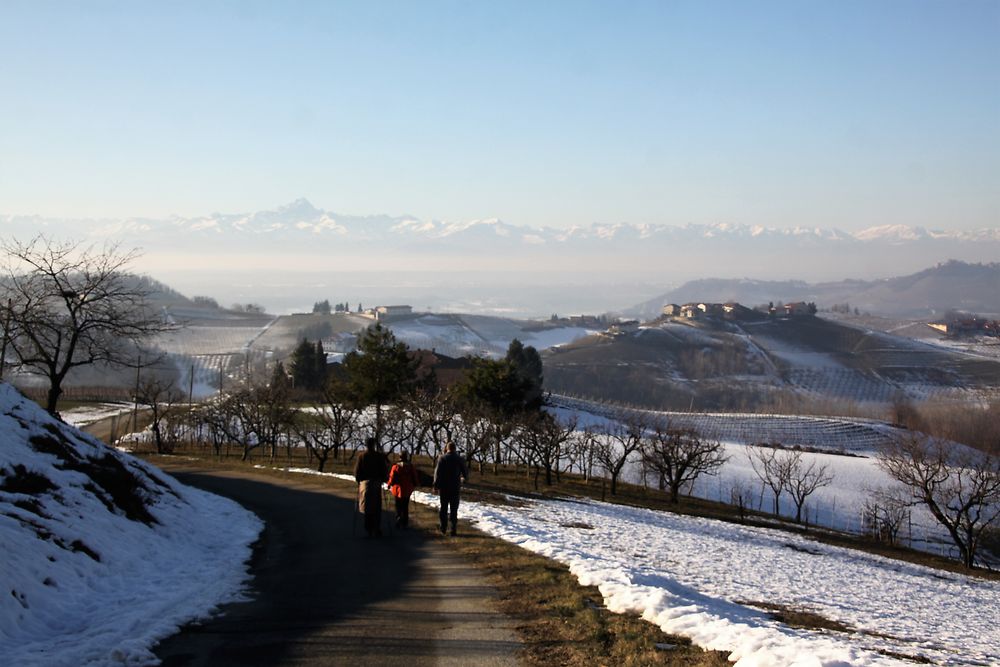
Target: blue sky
(845, 114)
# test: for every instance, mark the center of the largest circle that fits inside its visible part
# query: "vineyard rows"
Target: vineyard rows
(833, 434)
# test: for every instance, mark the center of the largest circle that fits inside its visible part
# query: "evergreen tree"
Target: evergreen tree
(279, 377)
(320, 371)
(528, 365)
(322, 307)
(303, 362)
(379, 372)
(496, 385)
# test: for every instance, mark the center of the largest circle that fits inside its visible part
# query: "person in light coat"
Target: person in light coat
(370, 472)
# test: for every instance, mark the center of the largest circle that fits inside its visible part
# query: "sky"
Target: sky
(838, 113)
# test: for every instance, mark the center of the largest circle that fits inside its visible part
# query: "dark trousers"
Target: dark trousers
(403, 512)
(449, 509)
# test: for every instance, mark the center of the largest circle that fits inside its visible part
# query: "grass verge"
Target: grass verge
(560, 621)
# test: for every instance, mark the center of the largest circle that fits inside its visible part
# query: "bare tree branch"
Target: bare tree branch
(69, 306)
(960, 487)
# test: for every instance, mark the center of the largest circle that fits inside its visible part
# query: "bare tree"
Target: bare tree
(802, 480)
(616, 444)
(256, 417)
(327, 431)
(959, 486)
(580, 452)
(884, 513)
(771, 469)
(206, 423)
(476, 431)
(433, 416)
(542, 438)
(740, 495)
(69, 306)
(399, 428)
(159, 395)
(680, 456)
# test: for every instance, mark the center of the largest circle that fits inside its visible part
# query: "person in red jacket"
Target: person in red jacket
(403, 478)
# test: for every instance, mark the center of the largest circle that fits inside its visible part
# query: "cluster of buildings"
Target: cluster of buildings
(967, 326)
(736, 311)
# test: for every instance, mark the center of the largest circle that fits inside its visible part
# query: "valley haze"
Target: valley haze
(288, 257)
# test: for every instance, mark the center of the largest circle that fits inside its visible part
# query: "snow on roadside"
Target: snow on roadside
(688, 576)
(87, 581)
(88, 414)
(692, 576)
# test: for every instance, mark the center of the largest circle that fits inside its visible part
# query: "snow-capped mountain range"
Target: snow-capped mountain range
(290, 256)
(301, 220)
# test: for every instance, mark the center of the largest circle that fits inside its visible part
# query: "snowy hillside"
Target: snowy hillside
(723, 365)
(98, 547)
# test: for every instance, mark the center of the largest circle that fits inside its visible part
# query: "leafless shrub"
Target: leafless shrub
(884, 514)
(741, 495)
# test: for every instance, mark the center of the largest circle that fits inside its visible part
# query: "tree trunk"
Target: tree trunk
(675, 493)
(157, 438)
(52, 398)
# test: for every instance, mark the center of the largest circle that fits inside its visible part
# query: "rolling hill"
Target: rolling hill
(709, 365)
(952, 285)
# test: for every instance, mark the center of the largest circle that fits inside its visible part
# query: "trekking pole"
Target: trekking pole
(386, 517)
(354, 516)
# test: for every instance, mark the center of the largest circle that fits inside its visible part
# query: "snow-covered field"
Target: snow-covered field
(88, 414)
(457, 335)
(90, 578)
(838, 506)
(694, 577)
(705, 580)
(839, 434)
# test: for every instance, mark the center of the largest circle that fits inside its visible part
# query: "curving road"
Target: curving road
(323, 596)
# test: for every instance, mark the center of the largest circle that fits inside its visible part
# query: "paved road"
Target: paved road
(325, 597)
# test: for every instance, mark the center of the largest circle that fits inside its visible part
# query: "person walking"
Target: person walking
(449, 474)
(403, 478)
(370, 472)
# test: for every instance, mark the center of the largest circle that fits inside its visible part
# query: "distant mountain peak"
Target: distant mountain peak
(300, 206)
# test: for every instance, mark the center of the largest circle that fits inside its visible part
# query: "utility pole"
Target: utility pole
(135, 407)
(6, 336)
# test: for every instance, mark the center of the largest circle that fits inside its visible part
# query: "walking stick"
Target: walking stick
(354, 515)
(385, 505)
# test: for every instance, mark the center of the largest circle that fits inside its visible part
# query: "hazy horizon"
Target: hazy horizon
(589, 145)
(846, 115)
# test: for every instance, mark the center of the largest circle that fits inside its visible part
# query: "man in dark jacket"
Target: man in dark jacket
(370, 471)
(449, 474)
